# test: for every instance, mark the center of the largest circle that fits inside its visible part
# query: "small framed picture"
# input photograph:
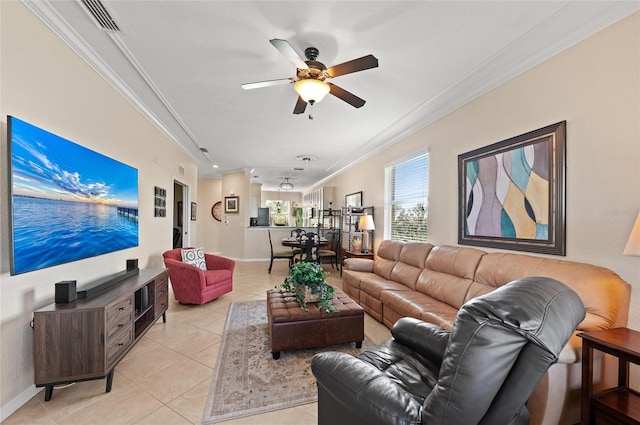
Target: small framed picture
(194, 209)
(160, 202)
(231, 204)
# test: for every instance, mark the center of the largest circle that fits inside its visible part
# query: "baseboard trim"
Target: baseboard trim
(13, 405)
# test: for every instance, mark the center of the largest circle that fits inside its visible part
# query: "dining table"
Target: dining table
(295, 242)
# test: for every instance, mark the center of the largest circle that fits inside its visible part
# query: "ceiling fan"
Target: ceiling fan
(310, 78)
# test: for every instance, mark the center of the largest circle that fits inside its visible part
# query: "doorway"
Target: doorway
(180, 216)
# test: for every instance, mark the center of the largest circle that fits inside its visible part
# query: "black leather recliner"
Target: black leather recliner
(481, 372)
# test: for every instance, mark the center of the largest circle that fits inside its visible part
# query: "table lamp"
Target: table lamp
(366, 224)
(633, 244)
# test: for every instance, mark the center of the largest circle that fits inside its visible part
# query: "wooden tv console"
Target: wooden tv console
(85, 339)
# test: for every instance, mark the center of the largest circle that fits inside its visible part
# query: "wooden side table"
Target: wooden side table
(618, 405)
(353, 254)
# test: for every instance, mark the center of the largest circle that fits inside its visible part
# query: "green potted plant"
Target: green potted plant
(307, 281)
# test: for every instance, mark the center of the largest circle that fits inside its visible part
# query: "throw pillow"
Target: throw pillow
(194, 256)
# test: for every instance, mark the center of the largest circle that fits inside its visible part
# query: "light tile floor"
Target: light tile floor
(164, 379)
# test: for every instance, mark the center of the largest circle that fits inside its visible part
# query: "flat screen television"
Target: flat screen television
(67, 202)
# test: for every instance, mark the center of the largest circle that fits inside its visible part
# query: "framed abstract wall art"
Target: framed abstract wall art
(512, 193)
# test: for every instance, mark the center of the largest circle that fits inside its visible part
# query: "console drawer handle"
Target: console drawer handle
(121, 309)
(120, 325)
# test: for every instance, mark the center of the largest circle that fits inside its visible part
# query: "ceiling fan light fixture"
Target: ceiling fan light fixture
(311, 90)
(286, 184)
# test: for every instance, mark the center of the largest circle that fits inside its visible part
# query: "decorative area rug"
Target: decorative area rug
(247, 381)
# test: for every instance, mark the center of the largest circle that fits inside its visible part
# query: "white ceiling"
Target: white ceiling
(181, 63)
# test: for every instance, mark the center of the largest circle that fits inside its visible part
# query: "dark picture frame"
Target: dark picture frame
(159, 202)
(512, 193)
(194, 210)
(231, 204)
(353, 199)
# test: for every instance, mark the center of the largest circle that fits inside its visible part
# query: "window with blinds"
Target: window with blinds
(406, 199)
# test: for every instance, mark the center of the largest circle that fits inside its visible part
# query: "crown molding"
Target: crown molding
(510, 62)
(44, 11)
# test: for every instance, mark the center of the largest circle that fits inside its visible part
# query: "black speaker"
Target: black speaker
(66, 291)
(132, 264)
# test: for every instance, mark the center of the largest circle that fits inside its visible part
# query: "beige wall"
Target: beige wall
(209, 192)
(45, 83)
(595, 87)
(232, 237)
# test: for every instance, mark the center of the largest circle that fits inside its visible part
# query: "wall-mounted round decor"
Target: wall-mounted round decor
(216, 211)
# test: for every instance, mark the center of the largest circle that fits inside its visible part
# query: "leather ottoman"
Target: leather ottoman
(291, 328)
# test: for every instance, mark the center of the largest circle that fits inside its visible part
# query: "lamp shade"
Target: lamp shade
(366, 223)
(311, 90)
(633, 244)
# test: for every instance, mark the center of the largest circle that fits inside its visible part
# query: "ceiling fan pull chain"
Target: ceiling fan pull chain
(311, 110)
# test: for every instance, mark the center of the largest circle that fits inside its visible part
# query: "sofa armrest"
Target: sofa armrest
(359, 264)
(572, 351)
(216, 262)
(425, 338)
(358, 386)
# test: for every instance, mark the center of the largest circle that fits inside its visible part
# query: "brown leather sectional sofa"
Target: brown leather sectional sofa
(432, 282)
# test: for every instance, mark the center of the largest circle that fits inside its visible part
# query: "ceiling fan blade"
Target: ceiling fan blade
(348, 97)
(288, 52)
(301, 105)
(360, 64)
(260, 84)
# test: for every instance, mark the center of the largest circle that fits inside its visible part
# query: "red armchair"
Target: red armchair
(192, 285)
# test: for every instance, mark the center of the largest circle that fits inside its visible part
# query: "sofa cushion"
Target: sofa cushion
(410, 263)
(590, 282)
(443, 287)
(351, 282)
(353, 277)
(215, 277)
(386, 258)
(454, 260)
(443, 317)
(195, 257)
(415, 304)
(448, 273)
(374, 285)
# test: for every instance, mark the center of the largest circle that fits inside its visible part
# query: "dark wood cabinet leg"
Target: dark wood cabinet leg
(110, 380)
(164, 317)
(48, 392)
(359, 344)
(275, 354)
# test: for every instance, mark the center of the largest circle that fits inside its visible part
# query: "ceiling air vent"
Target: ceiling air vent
(298, 169)
(101, 15)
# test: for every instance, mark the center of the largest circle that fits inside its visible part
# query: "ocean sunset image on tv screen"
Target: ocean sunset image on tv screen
(68, 202)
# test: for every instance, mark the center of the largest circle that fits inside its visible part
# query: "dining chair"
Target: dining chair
(288, 254)
(331, 249)
(296, 233)
(309, 243)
